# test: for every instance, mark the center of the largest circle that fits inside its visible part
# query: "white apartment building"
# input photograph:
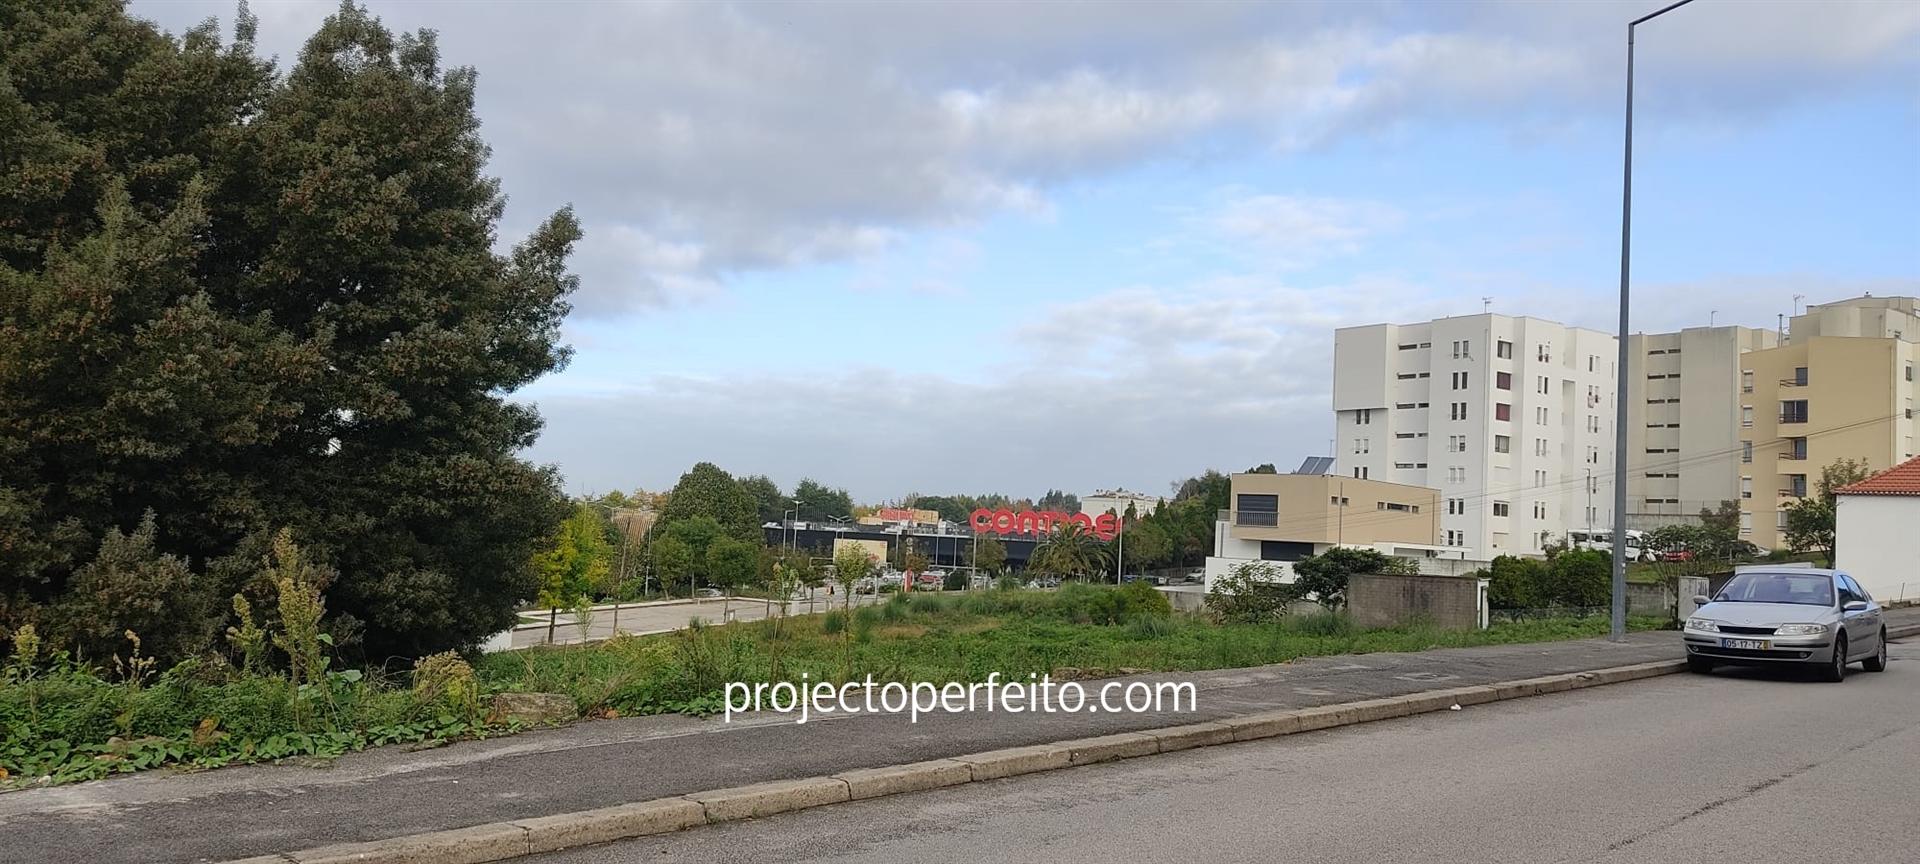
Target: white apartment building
(1117, 501)
(1683, 421)
(1511, 418)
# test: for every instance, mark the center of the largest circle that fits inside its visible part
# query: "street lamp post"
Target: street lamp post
(1618, 631)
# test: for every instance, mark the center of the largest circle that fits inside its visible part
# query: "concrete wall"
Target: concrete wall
(1310, 510)
(1874, 542)
(1389, 601)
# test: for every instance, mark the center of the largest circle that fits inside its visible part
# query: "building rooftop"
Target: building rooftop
(1901, 479)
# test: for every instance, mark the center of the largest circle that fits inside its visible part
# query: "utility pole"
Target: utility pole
(1618, 631)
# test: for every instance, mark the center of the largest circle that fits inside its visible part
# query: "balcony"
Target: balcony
(1793, 417)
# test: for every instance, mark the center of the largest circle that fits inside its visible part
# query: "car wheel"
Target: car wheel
(1836, 670)
(1699, 665)
(1878, 662)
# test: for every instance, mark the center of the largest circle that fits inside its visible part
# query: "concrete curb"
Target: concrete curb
(501, 841)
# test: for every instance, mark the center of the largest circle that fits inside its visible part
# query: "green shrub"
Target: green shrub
(1324, 624)
(1151, 627)
(833, 622)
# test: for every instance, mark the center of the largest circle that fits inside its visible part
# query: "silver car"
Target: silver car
(1788, 615)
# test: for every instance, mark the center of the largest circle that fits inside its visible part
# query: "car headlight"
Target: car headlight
(1800, 629)
(1703, 625)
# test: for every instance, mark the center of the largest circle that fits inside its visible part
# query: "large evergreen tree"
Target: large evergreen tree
(244, 301)
(707, 490)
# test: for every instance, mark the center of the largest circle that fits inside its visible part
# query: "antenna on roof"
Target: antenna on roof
(1486, 305)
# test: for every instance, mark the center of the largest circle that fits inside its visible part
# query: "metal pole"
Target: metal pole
(1618, 631)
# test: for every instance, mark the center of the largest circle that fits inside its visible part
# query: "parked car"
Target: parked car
(1788, 615)
(708, 592)
(926, 581)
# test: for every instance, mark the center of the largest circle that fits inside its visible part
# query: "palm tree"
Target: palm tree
(1071, 550)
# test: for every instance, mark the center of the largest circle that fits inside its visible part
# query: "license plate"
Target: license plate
(1746, 644)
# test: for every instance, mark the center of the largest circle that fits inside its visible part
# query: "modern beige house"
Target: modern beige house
(1683, 421)
(1284, 518)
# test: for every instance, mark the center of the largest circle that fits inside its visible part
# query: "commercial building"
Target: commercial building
(1874, 522)
(1683, 421)
(1117, 501)
(1284, 518)
(1841, 387)
(1511, 418)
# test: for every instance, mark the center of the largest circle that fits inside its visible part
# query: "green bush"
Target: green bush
(1516, 583)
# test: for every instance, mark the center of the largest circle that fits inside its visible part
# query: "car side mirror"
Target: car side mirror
(1854, 606)
(1701, 600)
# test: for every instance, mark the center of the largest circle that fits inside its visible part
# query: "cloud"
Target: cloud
(1292, 229)
(706, 140)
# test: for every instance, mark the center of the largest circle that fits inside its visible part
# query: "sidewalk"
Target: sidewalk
(239, 812)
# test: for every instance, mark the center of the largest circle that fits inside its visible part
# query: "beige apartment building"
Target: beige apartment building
(1683, 421)
(1812, 402)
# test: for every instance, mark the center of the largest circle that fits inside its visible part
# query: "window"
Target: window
(1459, 380)
(1362, 445)
(1502, 444)
(1337, 501)
(1539, 510)
(1746, 487)
(1746, 523)
(1502, 411)
(1398, 508)
(1780, 519)
(1793, 411)
(1797, 449)
(1409, 346)
(1360, 473)
(1502, 508)
(1456, 507)
(1539, 446)
(1539, 479)
(1593, 423)
(1407, 376)
(1463, 350)
(1261, 511)
(1544, 352)
(1363, 417)
(1797, 485)
(1544, 383)
(1746, 415)
(1458, 411)
(1456, 474)
(1592, 361)
(1909, 371)
(1540, 416)
(1799, 376)
(1504, 350)
(1746, 380)
(1456, 443)
(1503, 380)
(1746, 451)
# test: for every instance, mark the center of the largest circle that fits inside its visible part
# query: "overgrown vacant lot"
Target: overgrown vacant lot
(64, 722)
(961, 637)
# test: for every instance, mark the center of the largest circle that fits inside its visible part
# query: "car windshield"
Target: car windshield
(1811, 589)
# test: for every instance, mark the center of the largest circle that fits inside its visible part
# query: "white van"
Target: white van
(1603, 541)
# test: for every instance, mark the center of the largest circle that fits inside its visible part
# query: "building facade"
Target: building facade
(1813, 402)
(1280, 519)
(1510, 418)
(1683, 421)
(1873, 532)
(1117, 501)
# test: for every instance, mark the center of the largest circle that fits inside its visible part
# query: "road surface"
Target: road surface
(1740, 766)
(662, 617)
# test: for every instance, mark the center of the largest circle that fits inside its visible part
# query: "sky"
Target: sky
(1009, 247)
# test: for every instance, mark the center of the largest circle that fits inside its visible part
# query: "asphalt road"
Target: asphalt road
(1740, 766)
(663, 617)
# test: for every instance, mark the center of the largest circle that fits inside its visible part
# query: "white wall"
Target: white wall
(1876, 544)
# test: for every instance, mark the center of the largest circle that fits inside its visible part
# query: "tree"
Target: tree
(697, 534)
(673, 559)
(1070, 551)
(576, 563)
(1324, 576)
(707, 491)
(820, 502)
(915, 559)
(770, 504)
(131, 586)
(244, 300)
(731, 564)
(1580, 578)
(851, 563)
(1055, 499)
(1263, 468)
(1251, 592)
(1516, 583)
(1810, 521)
(990, 555)
(1146, 544)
